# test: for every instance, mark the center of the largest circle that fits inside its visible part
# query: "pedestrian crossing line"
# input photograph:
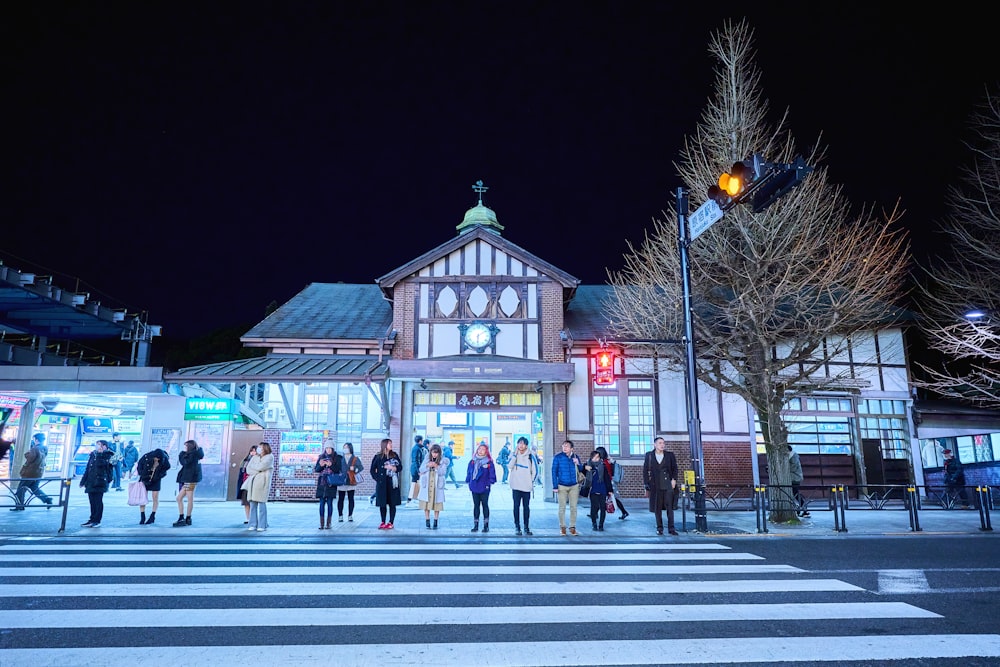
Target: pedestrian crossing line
(368, 616)
(902, 581)
(568, 569)
(367, 558)
(513, 547)
(354, 589)
(699, 651)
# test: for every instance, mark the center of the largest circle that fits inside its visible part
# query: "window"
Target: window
(349, 416)
(606, 423)
(634, 428)
(316, 412)
(885, 421)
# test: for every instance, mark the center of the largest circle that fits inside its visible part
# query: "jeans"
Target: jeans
(96, 506)
(350, 502)
(30, 485)
(117, 470)
(521, 498)
(326, 506)
(568, 494)
(258, 514)
(598, 509)
(481, 500)
(506, 473)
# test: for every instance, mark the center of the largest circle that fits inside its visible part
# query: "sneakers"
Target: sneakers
(261, 530)
(388, 526)
(382, 525)
(572, 530)
(252, 528)
(673, 532)
(659, 531)
(562, 530)
(94, 525)
(87, 524)
(351, 519)
(340, 519)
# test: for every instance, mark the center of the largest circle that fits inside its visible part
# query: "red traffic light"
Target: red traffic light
(605, 363)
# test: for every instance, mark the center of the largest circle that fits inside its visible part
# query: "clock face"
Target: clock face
(478, 336)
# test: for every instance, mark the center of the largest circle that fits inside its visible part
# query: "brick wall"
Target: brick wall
(551, 317)
(280, 490)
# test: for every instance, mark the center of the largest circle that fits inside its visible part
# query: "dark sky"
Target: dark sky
(199, 160)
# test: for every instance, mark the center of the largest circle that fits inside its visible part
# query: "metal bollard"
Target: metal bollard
(760, 507)
(912, 502)
(983, 494)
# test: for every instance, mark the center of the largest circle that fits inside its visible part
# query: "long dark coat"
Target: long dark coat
(324, 490)
(385, 493)
(652, 473)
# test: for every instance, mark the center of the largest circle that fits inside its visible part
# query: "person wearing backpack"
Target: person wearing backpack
(503, 458)
(417, 456)
(353, 467)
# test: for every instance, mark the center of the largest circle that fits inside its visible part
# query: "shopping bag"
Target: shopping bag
(137, 494)
(414, 490)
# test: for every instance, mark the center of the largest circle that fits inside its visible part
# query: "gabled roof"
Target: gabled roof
(327, 311)
(292, 368)
(389, 280)
(585, 318)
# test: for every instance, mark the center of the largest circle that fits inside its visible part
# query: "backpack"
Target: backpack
(617, 473)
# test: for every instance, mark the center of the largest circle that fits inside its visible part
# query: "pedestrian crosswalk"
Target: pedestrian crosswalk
(458, 602)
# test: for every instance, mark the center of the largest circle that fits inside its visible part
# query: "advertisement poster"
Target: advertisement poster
(167, 439)
(459, 447)
(209, 436)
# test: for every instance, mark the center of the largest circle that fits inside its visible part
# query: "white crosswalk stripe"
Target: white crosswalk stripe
(211, 603)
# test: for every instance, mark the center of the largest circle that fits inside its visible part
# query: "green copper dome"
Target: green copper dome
(482, 216)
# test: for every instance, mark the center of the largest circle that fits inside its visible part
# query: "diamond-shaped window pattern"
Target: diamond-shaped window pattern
(446, 301)
(478, 301)
(509, 301)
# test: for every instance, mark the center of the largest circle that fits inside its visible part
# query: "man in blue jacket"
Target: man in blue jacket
(417, 455)
(565, 469)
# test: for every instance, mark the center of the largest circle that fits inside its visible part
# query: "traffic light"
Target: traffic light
(784, 178)
(736, 182)
(605, 373)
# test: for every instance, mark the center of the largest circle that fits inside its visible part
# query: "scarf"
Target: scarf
(480, 462)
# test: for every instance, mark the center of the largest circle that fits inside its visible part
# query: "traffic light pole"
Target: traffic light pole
(694, 420)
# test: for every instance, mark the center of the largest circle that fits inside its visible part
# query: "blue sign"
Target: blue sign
(96, 425)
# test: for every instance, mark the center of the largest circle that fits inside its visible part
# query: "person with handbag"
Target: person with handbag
(188, 477)
(353, 467)
(151, 468)
(598, 487)
(328, 463)
(523, 471)
(386, 469)
(258, 486)
(617, 472)
(242, 478)
(480, 476)
(434, 475)
(96, 480)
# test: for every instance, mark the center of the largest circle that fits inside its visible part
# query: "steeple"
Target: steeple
(480, 215)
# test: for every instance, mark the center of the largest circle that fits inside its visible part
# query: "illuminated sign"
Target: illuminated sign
(208, 409)
(477, 400)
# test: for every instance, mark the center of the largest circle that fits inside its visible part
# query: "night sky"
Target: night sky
(201, 160)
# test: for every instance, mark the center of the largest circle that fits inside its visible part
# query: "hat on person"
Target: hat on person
(946, 452)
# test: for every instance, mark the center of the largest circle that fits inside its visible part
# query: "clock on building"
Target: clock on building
(478, 335)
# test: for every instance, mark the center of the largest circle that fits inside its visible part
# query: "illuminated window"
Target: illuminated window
(349, 416)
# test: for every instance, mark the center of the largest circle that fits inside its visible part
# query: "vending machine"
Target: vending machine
(60, 437)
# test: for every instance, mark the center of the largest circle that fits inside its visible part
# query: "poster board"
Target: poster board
(167, 439)
(210, 437)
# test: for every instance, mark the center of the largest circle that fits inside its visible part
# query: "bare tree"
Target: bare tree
(776, 294)
(965, 280)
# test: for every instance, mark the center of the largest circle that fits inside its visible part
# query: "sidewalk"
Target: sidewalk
(301, 519)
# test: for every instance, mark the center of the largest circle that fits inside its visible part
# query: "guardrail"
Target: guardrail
(837, 499)
(8, 495)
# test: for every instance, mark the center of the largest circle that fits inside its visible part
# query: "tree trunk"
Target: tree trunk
(779, 491)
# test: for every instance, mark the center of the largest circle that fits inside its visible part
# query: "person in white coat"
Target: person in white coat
(433, 477)
(258, 486)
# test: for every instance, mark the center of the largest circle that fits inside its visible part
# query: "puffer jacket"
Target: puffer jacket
(98, 474)
(34, 462)
(190, 472)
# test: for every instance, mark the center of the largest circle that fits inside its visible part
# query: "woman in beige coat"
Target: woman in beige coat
(258, 486)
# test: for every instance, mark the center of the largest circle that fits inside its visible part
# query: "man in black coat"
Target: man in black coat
(659, 476)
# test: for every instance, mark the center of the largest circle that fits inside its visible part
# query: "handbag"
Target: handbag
(609, 505)
(137, 494)
(336, 479)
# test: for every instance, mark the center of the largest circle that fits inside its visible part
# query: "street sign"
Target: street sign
(706, 215)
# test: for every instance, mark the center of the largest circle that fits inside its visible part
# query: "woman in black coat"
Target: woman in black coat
(96, 479)
(328, 462)
(385, 470)
(188, 477)
(152, 468)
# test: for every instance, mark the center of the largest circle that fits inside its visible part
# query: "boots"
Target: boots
(187, 520)
(427, 522)
(475, 526)
(151, 519)
(321, 523)
(593, 523)
(142, 518)
(517, 529)
(486, 525)
(328, 520)
(180, 521)
(435, 524)
(527, 530)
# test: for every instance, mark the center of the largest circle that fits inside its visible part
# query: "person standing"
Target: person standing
(152, 467)
(258, 486)
(503, 458)
(523, 472)
(329, 461)
(129, 457)
(96, 478)
(480, 476)
(598, 486)
(354, 468)
(386, 469)
(954, 478)
(117, 452)
(795, 477)
(449, 453)
(617, 472)
(32, 471)
(417, 456)
(242, 478)
(566, 485)
(188, 477)
(659, 477)
(434, 478)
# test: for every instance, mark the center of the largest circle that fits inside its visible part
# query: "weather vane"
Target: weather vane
(480, 188)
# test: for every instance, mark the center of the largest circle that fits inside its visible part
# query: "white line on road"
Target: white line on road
(361, 558)
(253, 545)
(362, 616)
(699, 651)
(902, 581)
(270, 589)
(569, 569)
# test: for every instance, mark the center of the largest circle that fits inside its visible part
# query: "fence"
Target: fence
(29, 500)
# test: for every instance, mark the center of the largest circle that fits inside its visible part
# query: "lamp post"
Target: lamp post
(691, 395)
